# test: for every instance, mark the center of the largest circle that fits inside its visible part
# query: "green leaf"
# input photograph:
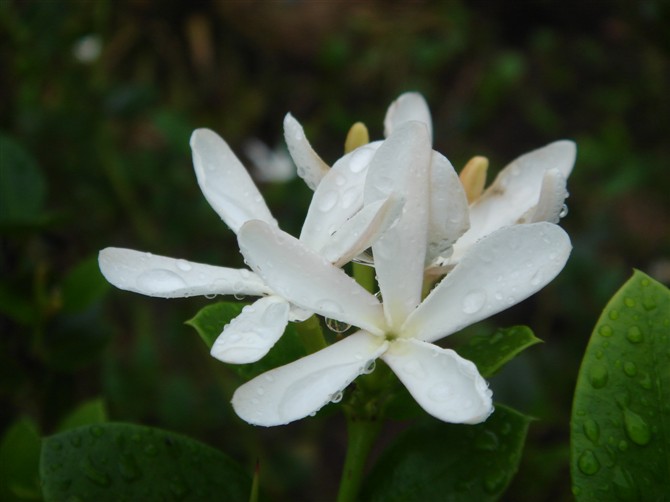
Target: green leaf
(129, 462)
(449, 462)
(19, 461)
(88, 413)
(620, 431)
(22, 186)
(209, 323)
(83, 286)
(491, 352)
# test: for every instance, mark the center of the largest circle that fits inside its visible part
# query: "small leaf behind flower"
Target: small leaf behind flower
(450, 462)
(129, 462)
(620, 431)
(492, 352)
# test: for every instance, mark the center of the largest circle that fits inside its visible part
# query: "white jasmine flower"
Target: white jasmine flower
(500, 270)
(270, 165)
(231, 192)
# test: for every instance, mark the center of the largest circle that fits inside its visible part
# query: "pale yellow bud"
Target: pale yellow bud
(473, 177)
(357, 136)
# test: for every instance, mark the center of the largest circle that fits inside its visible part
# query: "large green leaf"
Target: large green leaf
(130, 462)
(620, 432)
(450, 463)
(19, 461)
(491, 352)
(209, 323)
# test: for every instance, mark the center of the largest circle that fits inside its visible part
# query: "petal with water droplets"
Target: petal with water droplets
(250, 336)
(164, 277)
(552, 197)
(499, 271)
(445, 385)
(310, 166)
(306, 279)
(408, 106)
(225, 182)
(303, 387)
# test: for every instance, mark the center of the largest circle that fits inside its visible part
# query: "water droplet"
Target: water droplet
(588, 463)
(636, 428)
(183, 265)
(487, 441)
(337, 397)
(337, 326)
(645, 381)
(415, 369)
(369, 367)
(94, 474)
(629, 368)
(623, 445)
(495, 481)
(440, 392)
(605, 330)
(648, 304)
(158, 281)
(613, 314)
(564, 211)
(210, 296)
(329, 306)
(634, 334)
(128, 467)
(629, 302)
(360, 158)
(592, 430)
(474, 301)
(624, 485)
(327, 201)
(269, 378)
(598, 376)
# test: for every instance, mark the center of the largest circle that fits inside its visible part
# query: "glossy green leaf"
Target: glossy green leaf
(89, 413)
(491, 352)
(22, 186)
(620, 431)
(209, 323)
(450, 462)
(83, 286)
(125, 462)
(19, 462)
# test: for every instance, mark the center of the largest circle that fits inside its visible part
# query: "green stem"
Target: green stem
(365, 276)
(362, 433)
(311, 334)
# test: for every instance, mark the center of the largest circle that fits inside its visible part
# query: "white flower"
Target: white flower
(334, 228)
(498, 271)
(269, 165)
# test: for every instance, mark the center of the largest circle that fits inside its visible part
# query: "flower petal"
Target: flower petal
(338, 197)
(445, 385)
(164, 277)
(307, 279)
(310, 166)
(515, 190)
(253, 333)
(225, 182)
(408, 106)
(552, 196)
(303, 387)
(274, 166)
(401, 166)
(361, 230)
(449, 212)
(499, 271)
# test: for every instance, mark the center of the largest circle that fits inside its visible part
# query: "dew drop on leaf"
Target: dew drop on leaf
(592, 430)
(636, 428)
(605, 330)
(598, 376)
(634, 334)
(588, 463)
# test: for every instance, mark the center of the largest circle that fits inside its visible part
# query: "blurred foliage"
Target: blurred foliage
(97, 102)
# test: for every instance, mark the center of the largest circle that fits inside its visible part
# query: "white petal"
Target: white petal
(409, 106)
(225, 182)
(448, 208)
(303, 387)
(361, 230)
(443, 383)
(164, 277)
(499, 271)
(269, 165)
(253, 333)
(552, 196)
(515, 191)
(306, 279)
(310, 166)
(401, 166)
(338, 197)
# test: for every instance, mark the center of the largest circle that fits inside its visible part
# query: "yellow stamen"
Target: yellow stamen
(473, 177)
(357, 136)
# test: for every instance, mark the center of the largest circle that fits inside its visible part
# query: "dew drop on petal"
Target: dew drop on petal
(183, 265)
(474, 301)
(369, 367)
(440, 392)
(564, 211)
(159, 280)
(337, 397)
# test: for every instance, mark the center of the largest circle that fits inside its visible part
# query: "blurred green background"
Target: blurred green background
(97, 103)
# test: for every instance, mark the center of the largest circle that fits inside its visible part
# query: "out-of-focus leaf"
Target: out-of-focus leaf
(449, 462)
(17, 308)
(129, 462)
(19, 462)
(22, 186)
(491, 352)
(620, 432)
(88, 413)
(83, 286)
(209, 323)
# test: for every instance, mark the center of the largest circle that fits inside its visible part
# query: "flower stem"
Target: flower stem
(362, 433)
(365, 276)
(311, 334)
